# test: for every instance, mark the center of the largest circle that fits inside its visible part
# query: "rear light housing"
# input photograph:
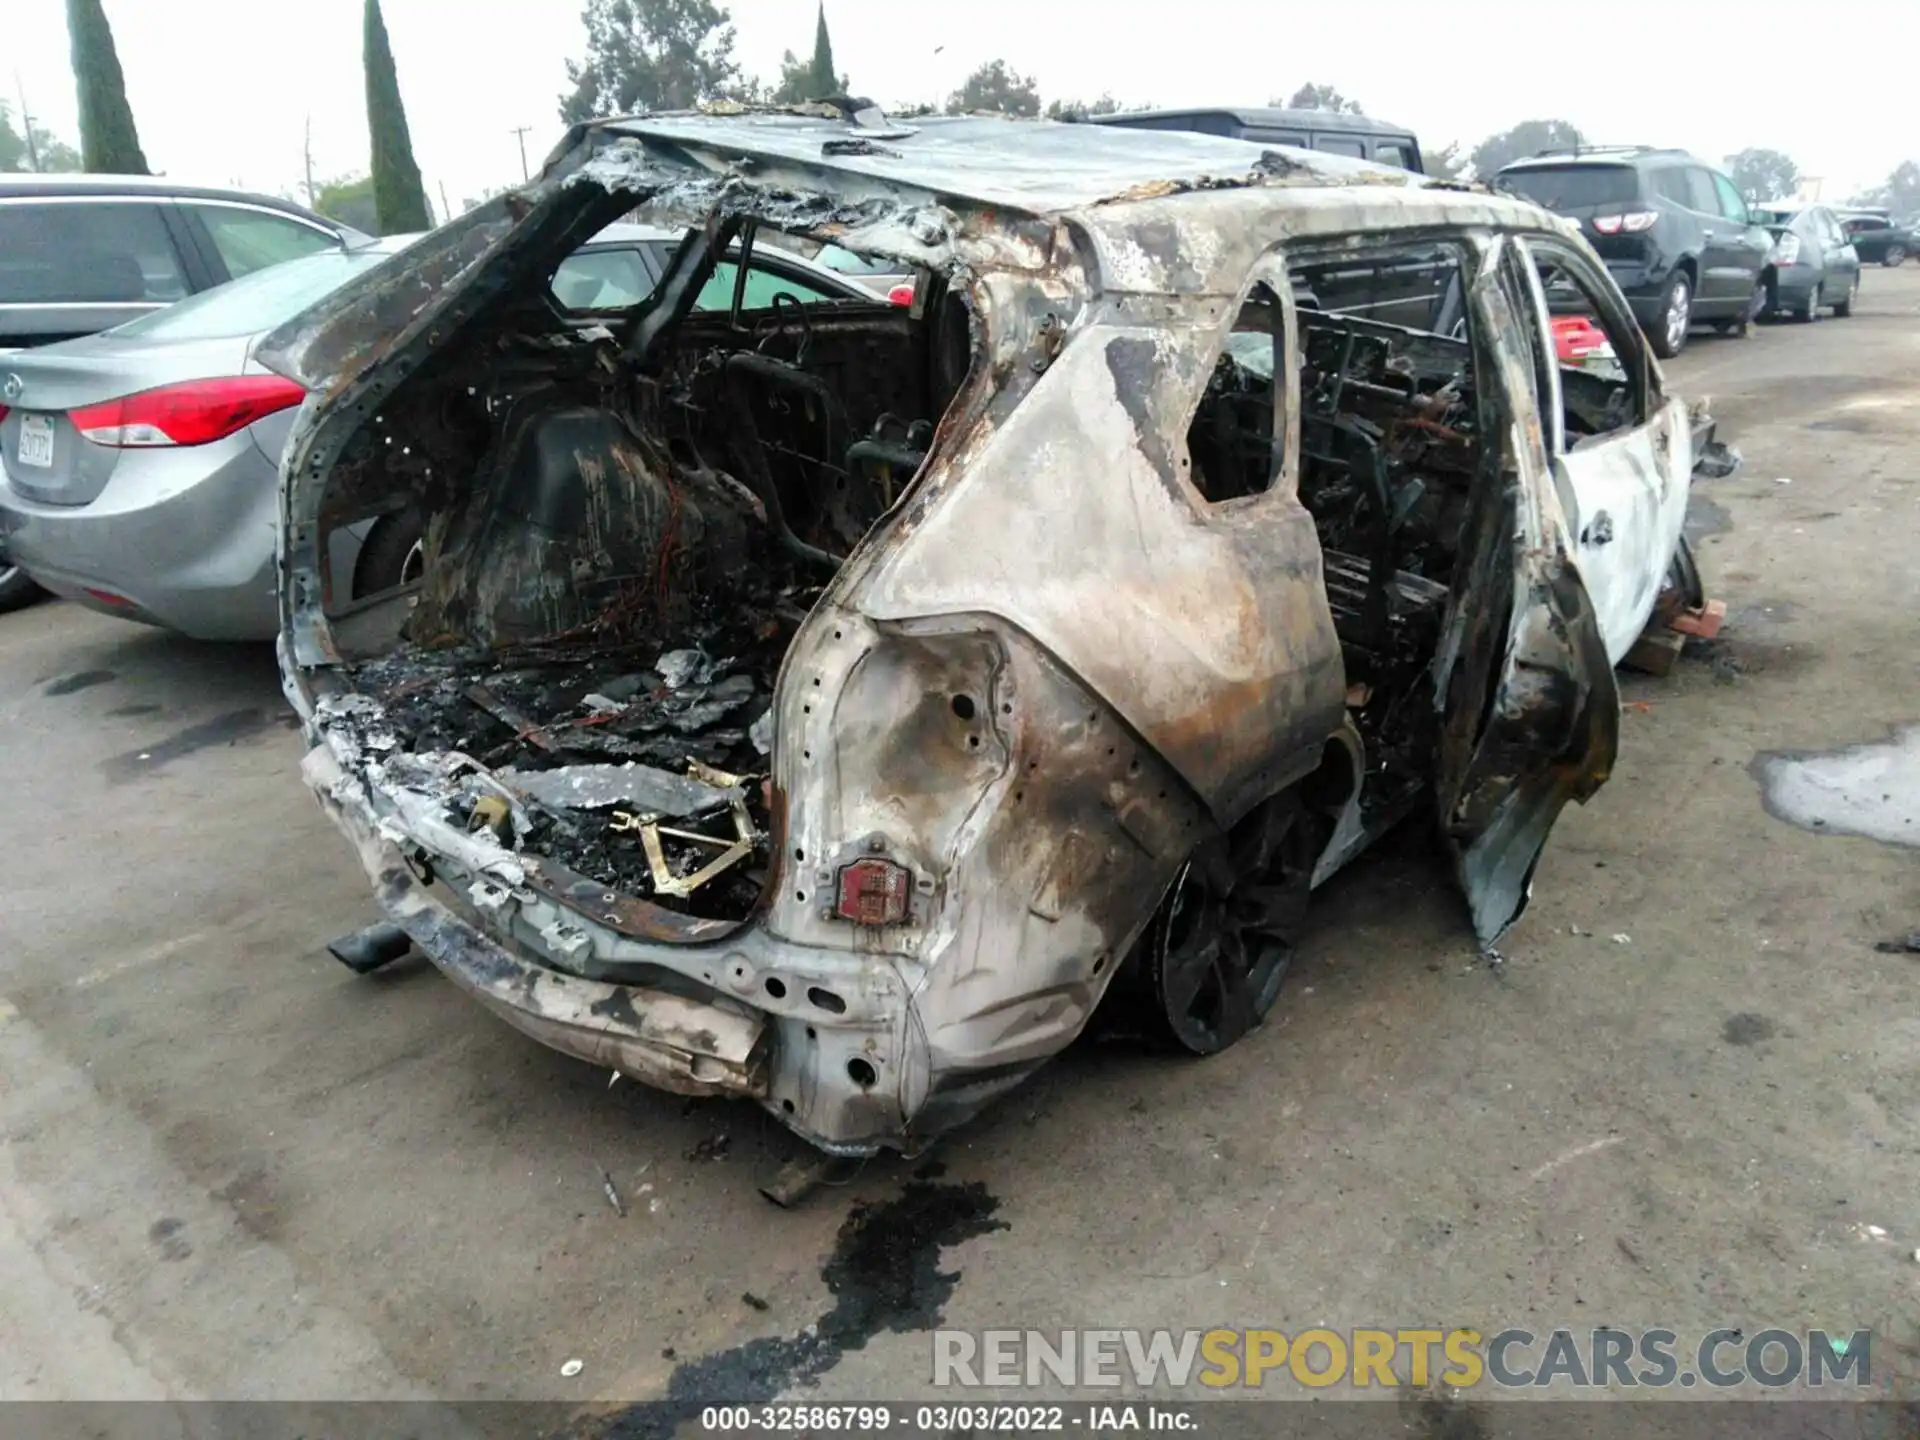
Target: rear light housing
(4, 412)
(1786, 250)
(193, 412)
(873, 892)
(1633, 222)
(901, 294)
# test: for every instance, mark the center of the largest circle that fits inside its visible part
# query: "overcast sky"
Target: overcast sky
(222, 89)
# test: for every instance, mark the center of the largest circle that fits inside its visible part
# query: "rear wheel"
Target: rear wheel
(1683, 576)
(1211, 962)
(16, 590)
(1668, 334)
(1894, 256)
(392, 556)
(1740, 324)
(1808, 310)
(1843, 308)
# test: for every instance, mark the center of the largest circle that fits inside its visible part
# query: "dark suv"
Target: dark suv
(82, 253)
(1679, 239)
(1876, 237)
(1360, 137)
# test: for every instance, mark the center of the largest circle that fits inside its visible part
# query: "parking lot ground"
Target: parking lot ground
(230, 1168)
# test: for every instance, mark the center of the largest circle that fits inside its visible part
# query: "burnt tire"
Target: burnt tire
(1668, 333)
(1209, 966)
(17, 590)
(391, 555)
(1683, 576)
(1741, 325)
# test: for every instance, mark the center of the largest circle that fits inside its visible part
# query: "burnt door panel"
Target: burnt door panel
(1624, 490)
(1530, 715)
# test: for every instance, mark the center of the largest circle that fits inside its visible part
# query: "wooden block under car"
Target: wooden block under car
(1655, 652)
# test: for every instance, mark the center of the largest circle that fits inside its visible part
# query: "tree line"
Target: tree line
(677, 54)
(396, 201)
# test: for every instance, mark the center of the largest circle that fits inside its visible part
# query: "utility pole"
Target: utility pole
(26, 123)
(446, 209)
(520, 133)
(309, 158)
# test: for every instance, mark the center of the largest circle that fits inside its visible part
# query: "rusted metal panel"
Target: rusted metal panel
(620, 912)
(1206, 630)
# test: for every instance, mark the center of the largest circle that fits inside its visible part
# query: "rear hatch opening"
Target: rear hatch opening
(619, 546)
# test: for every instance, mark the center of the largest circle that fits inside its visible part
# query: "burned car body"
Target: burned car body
(833, 705)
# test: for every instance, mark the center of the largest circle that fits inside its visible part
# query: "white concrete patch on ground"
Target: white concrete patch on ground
(1871, 790)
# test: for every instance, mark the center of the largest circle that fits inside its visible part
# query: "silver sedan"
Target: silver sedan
(140, 465)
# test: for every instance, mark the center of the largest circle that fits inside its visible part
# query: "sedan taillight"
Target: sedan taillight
(1632, 223)
(1576, 338)
(194, 412)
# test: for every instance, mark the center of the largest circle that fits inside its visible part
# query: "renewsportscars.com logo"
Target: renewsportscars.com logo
(1461, 1358)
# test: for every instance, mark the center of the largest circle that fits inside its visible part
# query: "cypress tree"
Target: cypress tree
(825, 80)
(109, 145)
(399, 198)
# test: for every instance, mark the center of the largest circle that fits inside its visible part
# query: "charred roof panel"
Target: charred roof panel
(1033, 166)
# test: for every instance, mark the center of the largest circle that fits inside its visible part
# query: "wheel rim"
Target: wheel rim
(8, 574)
(1679, 312)
(1896, 255)
(1223, 942)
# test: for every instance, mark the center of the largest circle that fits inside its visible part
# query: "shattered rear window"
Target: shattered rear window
(1571, 187)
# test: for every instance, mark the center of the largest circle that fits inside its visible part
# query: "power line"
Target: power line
(26, 123)
(309, 159)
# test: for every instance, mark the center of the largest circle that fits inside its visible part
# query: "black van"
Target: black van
(1358, 136)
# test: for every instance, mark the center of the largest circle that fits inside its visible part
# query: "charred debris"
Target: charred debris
(641, 769)
(640, 526)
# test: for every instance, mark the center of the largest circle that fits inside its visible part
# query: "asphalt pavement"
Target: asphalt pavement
(229, 1168)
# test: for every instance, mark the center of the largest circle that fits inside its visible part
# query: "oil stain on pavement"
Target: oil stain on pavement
(227, 729)
(1747, 1028)
(80, 680)
(1706, 517)
(884, 1275)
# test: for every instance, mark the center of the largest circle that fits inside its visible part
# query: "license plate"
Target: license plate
(36, 441)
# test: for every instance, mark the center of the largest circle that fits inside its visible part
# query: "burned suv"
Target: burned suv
(832, 703)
